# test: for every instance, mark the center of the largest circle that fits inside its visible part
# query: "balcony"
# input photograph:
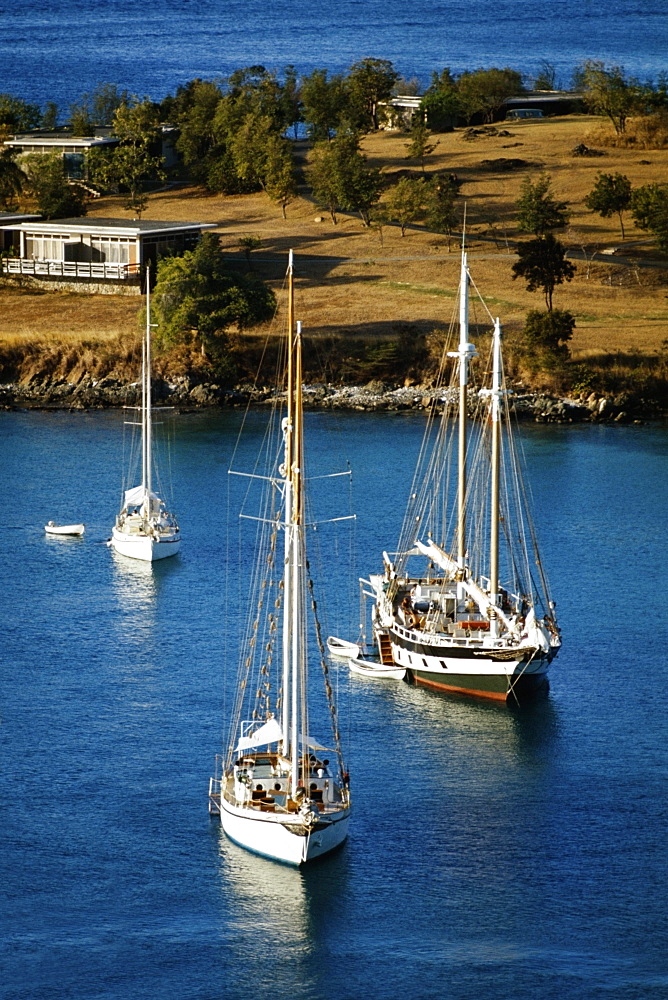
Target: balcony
(76, 270)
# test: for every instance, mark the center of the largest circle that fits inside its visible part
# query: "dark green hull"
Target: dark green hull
(495, 687)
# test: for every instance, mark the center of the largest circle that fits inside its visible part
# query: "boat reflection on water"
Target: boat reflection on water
(135, 585)
(267, 903)
(276, 920)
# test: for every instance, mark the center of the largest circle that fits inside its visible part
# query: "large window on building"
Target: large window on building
(44, 247)
(111, 249)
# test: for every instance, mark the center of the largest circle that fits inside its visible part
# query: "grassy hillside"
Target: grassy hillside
(360, 288)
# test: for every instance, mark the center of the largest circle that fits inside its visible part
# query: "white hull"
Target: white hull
(368, 669)
(73, 530)
(341, 648)
(144, 547)
(282, 837)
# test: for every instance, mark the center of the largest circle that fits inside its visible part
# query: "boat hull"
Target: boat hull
(144, 547)
(283, 838)
(473, 670)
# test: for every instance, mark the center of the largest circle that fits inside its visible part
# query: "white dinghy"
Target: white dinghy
(341, 648)
(73, 530)
(275, 791)
(375, 669)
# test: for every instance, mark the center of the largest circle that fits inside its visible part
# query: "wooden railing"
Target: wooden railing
(69, 269)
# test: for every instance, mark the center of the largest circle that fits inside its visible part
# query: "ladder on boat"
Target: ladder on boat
(385, 649)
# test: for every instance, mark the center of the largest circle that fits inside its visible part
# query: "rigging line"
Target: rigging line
(269, 336)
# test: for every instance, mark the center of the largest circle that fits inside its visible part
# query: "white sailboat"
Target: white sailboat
(277, 791)
(463, 605)
(144, 528)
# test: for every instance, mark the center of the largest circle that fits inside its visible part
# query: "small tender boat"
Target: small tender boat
(369, 668)
(64, 529)
(342, 648)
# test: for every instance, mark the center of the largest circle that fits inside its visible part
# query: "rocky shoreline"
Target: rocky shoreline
(189, 394)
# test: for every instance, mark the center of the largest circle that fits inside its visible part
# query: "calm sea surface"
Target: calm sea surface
(58, 49)
(493, 853)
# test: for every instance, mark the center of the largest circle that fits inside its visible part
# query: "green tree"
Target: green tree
(131, 166)
(341, 178)
(546, 336)
(12, 177)
(17, 115)
(50, 116)
(441, 104)
(609, 92)
(56, 198)
(96, 108)
(197, 297)
(484, 91)
(369, 82)
(419, 146)
(323, 104)
(538, 210)
(440, 211)
(280, 182)
(611, 194)
(649, 206)
(542, 263)
(547, 76)
(405, 202)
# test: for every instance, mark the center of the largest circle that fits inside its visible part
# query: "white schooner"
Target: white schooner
(277, 791)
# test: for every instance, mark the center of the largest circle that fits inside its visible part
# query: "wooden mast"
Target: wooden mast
(465, 352)
(287, 499)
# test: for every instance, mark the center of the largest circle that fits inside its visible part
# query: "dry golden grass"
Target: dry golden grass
(365, 285)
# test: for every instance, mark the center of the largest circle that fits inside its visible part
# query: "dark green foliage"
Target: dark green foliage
(610, 92)
(545, 340)
(538, 211)
(405, 202)
(17, 115)
(130, 167)
(50, 116)
(484, 91)
(419, 145)
(440, 211)
(198, 296)
(368, 82)
(55, 197)
(324, 103)
(611, 194)
(341, 178)
(542, 263)
(649, 206)
(440, 103)
(231, 138)
(96, 108)
(12, 178)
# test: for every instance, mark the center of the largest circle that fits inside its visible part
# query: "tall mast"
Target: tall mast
(496, 460)
(288, 528)
(146, 396)
(464, 353)
(298, 651)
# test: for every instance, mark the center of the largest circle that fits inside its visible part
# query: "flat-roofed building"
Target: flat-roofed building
(95, 253)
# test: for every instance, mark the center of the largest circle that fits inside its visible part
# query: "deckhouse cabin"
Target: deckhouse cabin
(94, 254)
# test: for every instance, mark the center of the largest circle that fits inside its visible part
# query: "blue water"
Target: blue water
(58, 49)
(493, 853)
